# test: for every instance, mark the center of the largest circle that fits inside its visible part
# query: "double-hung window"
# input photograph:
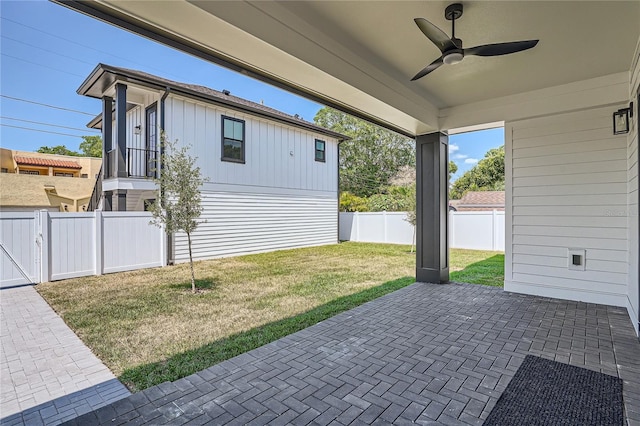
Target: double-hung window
(320, 150)
(233, 139)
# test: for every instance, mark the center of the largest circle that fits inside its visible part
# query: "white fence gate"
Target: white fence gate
(482, 230)
(44, 246)
(19, 255)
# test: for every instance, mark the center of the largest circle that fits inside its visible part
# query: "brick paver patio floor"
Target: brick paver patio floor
(439, 354)
(47, 374)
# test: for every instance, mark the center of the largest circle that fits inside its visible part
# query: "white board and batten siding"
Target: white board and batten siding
(279, 198)
(566, 185)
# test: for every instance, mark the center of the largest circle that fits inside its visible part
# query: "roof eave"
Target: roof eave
(101, 71)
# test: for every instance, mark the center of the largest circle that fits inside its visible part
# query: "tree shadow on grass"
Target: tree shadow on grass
(489, 271)
(201, 284)
(192, 361)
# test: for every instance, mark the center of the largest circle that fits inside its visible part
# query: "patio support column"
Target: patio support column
(432, 243)
(121, 130)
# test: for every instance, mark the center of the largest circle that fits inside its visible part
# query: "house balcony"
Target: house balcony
(140, 164)
(139, 171)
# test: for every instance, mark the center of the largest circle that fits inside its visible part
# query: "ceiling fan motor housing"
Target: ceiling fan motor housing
(453, 11)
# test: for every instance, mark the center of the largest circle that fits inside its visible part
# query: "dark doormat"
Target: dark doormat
(545, 392)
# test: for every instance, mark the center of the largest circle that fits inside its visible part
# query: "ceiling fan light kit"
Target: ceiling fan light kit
(453, 57)
(451, 48)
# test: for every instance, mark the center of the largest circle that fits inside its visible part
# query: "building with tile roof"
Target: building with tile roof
(33, 181)
(479, 201)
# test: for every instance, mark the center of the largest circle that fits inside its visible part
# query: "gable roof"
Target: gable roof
(103, 77)
(46, 162)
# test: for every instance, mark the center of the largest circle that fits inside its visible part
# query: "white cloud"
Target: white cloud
(453, 148)
(460, 156)
(470, 161)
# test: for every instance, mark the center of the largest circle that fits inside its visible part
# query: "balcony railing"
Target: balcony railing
(140, 163)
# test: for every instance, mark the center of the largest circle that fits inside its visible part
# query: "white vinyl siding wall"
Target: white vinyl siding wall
(242, 223)
(634, 237)
(567, 188)
(276, 155)
(279, 198)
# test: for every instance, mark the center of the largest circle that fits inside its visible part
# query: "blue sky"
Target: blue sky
(48, 50)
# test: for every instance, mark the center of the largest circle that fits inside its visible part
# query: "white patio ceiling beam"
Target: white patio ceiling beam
(184, 25)
(358, 56)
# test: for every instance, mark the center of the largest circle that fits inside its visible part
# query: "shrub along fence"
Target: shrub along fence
(481, 230)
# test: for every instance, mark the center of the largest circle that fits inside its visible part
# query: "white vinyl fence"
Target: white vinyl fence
(483, 230)
(44, 246)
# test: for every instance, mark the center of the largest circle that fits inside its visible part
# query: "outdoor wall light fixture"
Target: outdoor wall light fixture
(137, 130)
(621, 120)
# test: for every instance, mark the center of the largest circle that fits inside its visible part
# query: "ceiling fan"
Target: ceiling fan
(451, 48)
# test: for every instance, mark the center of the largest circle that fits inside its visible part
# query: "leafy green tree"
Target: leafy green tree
(371, 157)
(91, 146)
(58, 150)
(487, 175)
(179, 206)
(453, 168)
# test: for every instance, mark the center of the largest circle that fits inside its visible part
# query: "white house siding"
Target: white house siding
(134, 117)
(252, 222)
(567, 188)
(276, 155)
(633, 303)
(279, 198)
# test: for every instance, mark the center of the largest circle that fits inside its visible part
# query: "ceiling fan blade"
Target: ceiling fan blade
(498, 49)
(426, 70)
(435, 34)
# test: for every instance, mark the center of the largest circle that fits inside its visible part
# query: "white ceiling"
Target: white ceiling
(360, 55)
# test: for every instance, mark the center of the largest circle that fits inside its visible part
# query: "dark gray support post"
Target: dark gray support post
(432, 199)
(121, 130)
(119, 201)
(107, 119)
(108, 201)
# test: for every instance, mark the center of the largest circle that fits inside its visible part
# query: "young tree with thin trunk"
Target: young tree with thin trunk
(178, 207)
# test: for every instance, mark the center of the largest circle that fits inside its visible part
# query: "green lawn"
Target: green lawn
(148, 328)
(477, 267)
